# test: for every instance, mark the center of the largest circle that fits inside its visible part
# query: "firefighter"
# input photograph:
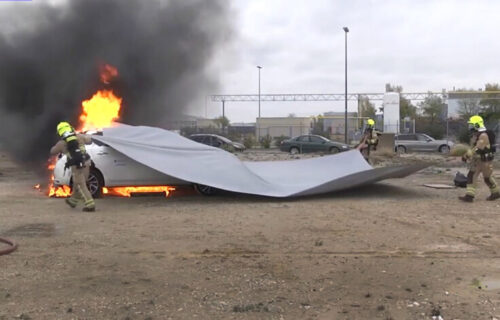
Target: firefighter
(480, 158)
(73, 146)
(369, 141)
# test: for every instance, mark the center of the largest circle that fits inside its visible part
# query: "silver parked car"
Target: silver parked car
(420, 142)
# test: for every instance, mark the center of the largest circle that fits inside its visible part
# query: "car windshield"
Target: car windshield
(226, 140)
(318, 139)
(425, 137)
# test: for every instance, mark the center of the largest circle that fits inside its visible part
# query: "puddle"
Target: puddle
(491, 284)
(34, 230)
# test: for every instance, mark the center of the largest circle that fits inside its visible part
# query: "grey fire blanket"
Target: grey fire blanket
(179, 157)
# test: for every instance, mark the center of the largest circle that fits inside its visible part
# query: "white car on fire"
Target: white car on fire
(112, 169)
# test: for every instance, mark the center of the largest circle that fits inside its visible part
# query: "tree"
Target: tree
(491, 106)
(393, 88)
(432, 107)
(366, 108)
(406, 108)
(468, 106)
(221, 122)
(318, 126)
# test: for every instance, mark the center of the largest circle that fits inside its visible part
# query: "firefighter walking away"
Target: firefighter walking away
(73, 146)
(369, 140)
(480, 160)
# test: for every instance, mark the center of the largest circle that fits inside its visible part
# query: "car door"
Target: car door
(304, 144)
(409, 141)
(318, 144)
(425, 143)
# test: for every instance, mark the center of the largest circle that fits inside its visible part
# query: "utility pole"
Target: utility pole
(346, 30)
(259, 67)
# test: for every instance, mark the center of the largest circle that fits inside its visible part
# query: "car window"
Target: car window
(422, 137)
(197, 138)
(316, 139)
(224, 139)
(216, 142)
(303, 139)
(410, 137)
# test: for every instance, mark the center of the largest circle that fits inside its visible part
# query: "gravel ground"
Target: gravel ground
(394, 250)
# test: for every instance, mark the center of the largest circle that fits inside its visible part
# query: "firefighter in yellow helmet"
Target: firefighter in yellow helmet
(369, 141)
(480, 158)
(73, 146)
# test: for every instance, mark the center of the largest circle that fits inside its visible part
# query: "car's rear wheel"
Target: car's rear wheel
(294, 150)
(95, 182)
(205, 190)
(334, 150)
(444, 149)
(401, 149)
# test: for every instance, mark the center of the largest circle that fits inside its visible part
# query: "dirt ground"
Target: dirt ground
(394, 250)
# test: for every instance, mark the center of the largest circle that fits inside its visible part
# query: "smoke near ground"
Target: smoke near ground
(50, 57)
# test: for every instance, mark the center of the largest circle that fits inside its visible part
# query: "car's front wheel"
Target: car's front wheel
(95, 183)
(294, 150)
(401, 149)
(205, 190)
(334, 150)
(444, 149)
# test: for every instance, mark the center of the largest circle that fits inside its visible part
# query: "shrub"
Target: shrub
(249, 141)
(464, 136)
(278, 140)
(265, 141)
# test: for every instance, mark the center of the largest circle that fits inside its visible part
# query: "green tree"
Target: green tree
(318, 126)
(222, 122)
(406, 108)
(432, 108)
(468, 106)
(366, 108)
(491, 106)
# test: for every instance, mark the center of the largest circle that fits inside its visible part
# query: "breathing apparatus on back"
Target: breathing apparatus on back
(77, 155)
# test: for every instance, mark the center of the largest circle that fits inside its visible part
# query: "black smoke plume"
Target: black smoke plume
(51, 54)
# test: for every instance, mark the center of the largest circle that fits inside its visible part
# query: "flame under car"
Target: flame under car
(111, 168)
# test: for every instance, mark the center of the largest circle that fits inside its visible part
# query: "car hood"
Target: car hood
(238, 145)
(339, 145)
(450, 143)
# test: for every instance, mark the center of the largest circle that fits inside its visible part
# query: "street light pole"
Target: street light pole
(259, 67)
(346, 30)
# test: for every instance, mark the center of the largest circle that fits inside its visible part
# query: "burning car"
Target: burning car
(114, 173)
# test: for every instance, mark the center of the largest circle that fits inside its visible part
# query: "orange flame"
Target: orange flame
(108, 72)
(127, 191)
(100, 111)
(59, 192)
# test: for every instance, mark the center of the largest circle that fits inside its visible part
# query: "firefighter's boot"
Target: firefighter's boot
(71, 202)
(493, 196)
(466, 198)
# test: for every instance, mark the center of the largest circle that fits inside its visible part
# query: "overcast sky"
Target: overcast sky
(424, 45)
(420, 45)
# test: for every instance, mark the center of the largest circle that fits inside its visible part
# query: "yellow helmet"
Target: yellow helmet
(64, 129)
(476, 122)
(370, 123)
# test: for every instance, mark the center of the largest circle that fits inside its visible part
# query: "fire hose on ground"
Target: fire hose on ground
(12, 246)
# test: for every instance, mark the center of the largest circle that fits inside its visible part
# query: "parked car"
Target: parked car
(420, 142)
(111, 168)
(312, 143)
(217, 141)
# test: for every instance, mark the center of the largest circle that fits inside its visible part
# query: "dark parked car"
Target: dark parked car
(312, 143)
(217, 141)
(420, 142)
